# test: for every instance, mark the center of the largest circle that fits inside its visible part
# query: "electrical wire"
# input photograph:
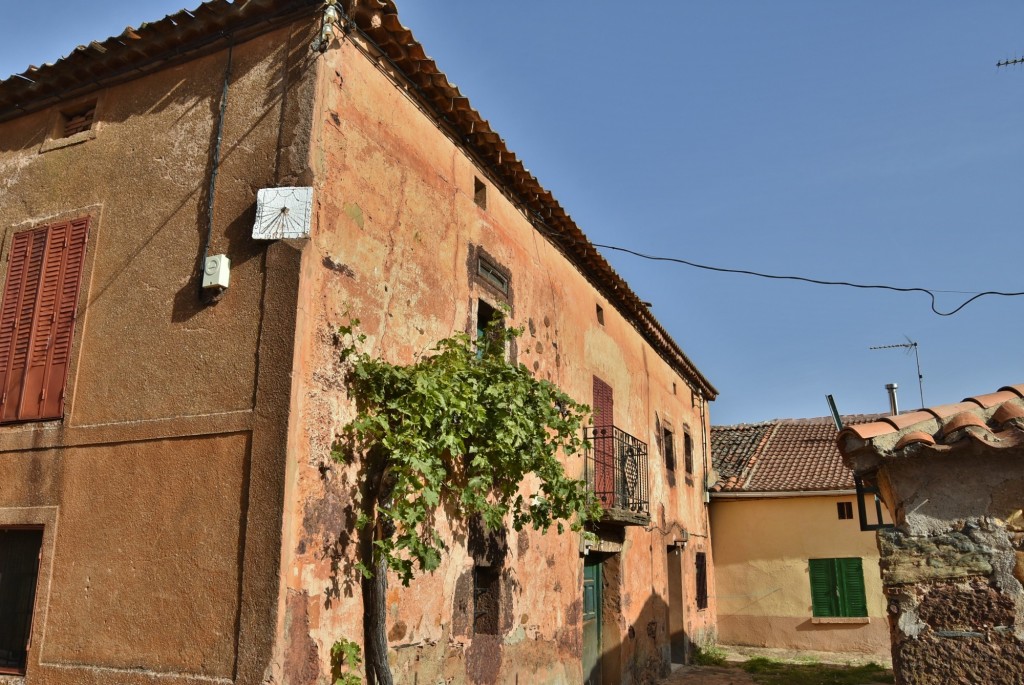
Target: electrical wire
(931, 293)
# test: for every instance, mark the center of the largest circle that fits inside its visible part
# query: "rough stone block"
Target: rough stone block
(909, 559)
(965, 607)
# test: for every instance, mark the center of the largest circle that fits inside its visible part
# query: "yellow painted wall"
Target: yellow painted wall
(764, 596)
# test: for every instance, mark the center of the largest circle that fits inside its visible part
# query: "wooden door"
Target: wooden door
(592, 595)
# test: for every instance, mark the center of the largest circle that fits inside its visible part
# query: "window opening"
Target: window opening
(479, 193)
(673, 388)
(702, 580)
(845, 510)
(78, 120)
(669, 449)
(600, 315)
(486, 599)
(688, 451)
(492, 274)
(488, 324)
(19, 569)
(837, 587)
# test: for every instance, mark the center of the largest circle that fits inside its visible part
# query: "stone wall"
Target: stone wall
(954, 603)
(953, 566)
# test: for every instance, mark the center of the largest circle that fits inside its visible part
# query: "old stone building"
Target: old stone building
(952, 568)
(169, 511)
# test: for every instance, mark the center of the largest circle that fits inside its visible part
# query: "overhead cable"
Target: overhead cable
(815, 281)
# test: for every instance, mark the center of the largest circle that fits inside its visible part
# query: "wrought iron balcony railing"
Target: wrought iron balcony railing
(615, 469)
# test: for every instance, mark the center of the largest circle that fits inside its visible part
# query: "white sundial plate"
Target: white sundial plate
(282, 213)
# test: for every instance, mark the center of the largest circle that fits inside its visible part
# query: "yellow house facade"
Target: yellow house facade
(793, 569)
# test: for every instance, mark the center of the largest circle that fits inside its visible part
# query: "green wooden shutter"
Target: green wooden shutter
(824, 597)
(851, 576)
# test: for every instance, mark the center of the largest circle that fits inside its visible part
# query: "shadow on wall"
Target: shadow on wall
(632, 654)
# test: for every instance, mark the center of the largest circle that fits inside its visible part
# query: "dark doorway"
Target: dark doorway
(19, 568)
(676, 619)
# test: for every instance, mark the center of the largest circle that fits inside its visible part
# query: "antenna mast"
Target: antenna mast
(910, 346)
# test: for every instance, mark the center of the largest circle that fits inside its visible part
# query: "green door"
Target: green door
(591, 621)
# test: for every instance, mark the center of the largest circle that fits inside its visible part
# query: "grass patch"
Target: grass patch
(769, 672)
(708, 656)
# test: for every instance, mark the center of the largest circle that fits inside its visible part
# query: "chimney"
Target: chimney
(894, 407)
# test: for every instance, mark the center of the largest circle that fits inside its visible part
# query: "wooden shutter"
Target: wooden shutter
(702, 580)
(850, 575)
(20, 295)
(824, 599)
(37, 320)
(604, 443)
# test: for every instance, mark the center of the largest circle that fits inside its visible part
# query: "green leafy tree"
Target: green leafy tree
(461, 429)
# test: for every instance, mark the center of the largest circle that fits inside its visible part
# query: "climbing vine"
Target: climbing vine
(460, 428)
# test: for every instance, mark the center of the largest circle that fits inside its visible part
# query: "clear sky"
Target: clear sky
(869, 142)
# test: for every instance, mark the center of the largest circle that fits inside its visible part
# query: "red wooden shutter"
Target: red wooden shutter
(41, 300)
(604, 443)
(20, 294)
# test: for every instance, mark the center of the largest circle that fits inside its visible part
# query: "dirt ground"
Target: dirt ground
(730, 674)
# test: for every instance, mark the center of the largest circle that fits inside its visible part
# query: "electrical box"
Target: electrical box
(217, 274)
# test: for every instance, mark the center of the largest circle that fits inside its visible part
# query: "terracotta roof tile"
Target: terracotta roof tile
(915, 438)
(944, 411)
(1016, 389)
(992, 399)
(784, 455)
(995, 418)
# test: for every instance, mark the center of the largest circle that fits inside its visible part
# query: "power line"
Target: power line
(931, 293)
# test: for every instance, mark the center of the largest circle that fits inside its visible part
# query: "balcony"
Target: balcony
(615, 469)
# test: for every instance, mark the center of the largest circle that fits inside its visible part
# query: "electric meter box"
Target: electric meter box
(217, 274)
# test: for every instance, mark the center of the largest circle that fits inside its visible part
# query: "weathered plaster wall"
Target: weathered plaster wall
(395, 222)
(761, 552)
(160, 490)
(953, 568)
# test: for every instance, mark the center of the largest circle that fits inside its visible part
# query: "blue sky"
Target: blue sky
(868, 142)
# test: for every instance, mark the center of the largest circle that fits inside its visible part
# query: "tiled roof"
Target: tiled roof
(995, 420)
(784, 455)
(187, 33)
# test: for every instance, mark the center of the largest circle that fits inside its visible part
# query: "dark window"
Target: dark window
(492, 274)
(486, 599)
(480, 193)
(78, 120)
(702, 580)
(600, 314)
(673, 388)
(488, 328)
(688, 451)
(837, 587)
(19, 568)
(37, 319)
(669, 449)
(845, 510)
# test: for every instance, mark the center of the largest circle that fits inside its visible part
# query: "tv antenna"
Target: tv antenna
(1009, 62)
(909, 346)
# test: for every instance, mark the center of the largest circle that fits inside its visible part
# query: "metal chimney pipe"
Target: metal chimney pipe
(894, 406)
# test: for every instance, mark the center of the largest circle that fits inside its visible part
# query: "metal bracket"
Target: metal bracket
(863, 491)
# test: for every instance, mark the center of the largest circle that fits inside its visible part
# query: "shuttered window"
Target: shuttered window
(37, 319)
(702, 580)
(837, 587)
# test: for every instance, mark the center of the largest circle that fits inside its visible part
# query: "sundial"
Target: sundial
(282, 213)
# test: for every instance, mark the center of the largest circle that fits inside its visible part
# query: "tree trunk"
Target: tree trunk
(378, 670)
(375, 588)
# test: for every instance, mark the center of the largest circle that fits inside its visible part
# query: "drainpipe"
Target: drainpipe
(894, 407)
(703, 445)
